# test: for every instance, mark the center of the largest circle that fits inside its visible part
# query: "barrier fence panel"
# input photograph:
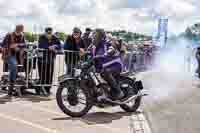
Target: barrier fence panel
(41, 68)
(139, 61)
(50, 66)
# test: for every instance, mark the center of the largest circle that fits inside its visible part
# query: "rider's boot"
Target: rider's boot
(117, 93)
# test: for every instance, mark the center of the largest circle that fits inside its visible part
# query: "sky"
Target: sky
(132, 15)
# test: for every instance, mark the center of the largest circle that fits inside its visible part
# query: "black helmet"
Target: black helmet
(98, 35)
(101, 33)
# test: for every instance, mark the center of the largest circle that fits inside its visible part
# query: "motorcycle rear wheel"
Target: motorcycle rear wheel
(132, 106)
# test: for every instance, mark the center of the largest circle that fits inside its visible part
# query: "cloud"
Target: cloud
(63, 15)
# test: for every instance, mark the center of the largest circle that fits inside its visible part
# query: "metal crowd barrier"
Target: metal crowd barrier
(137, 61)
(41, 68)
(49, 66)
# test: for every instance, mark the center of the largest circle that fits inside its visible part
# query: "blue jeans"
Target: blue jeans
(12, 68)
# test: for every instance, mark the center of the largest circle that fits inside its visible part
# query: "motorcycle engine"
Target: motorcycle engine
(124, 86)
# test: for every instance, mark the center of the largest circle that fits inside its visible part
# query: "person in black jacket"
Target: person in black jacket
(86, 38)
(49, 43)
(74, 49)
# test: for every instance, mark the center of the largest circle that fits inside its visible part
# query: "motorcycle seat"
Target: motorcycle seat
(126, 74)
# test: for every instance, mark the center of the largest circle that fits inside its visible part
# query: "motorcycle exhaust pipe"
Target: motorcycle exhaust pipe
(140, 94)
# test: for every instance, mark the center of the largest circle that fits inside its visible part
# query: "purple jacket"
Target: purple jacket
(108, 57)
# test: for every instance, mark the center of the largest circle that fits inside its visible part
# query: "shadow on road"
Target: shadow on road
(36, 98)
(98, 117)
(28, 96)
(5, 99)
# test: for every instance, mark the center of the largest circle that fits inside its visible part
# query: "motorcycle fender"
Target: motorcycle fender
(139, 85)
(65, 78)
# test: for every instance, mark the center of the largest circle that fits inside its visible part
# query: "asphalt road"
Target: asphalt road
(173, 105)
(34, 114)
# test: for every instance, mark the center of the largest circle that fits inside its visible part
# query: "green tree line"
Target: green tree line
(129, 36)
(126, 36)
(31, 37)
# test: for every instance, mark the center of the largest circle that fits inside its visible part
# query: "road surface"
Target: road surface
(34, 114)
(173, 105)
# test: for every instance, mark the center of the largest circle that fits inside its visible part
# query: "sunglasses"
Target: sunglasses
(49, 32)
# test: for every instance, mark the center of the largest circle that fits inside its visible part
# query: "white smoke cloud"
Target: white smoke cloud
(172, 74)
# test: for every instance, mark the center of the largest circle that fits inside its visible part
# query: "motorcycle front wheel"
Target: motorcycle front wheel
(73, 100)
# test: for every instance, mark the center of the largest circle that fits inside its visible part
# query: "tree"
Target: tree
(61, 35)
(28, 36)
(128, 37)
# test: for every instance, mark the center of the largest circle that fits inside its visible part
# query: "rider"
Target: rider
(107, 62)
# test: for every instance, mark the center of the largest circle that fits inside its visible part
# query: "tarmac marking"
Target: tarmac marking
(139, 123)
(147, 125)
(28, 123)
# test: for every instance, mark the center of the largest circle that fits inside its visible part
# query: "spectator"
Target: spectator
(109, 37)
(86, 38)
(120, 46)
(50, 43)
(74, 43)
(11, 54)
(132, 58)
(61, 42)
(198, 61)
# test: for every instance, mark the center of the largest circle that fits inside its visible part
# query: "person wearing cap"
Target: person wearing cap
(122, 47)
(86, 37)
(11, 54)
(74, 49)
(48, 44)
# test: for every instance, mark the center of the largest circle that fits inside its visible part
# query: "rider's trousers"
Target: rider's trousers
(110, 75)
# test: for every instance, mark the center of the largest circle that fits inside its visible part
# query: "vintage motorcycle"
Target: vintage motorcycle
(77, 94)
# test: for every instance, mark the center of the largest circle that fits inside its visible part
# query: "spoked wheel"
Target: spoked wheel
(73, 100)
(133, 105)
